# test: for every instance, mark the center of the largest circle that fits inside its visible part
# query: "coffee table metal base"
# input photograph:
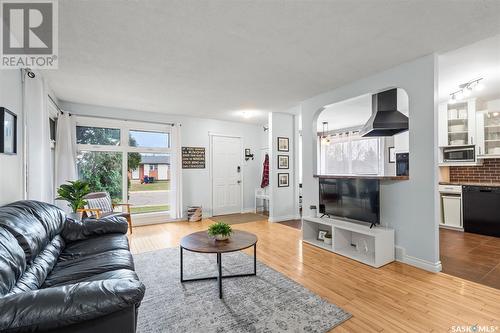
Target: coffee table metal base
(219, 276)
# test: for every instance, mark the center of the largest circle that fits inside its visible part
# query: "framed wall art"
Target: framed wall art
(283, 179)
(283, 144)
(8, 132)
(283, 162)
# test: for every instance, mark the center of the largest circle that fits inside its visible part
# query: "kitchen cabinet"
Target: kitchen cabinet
(457, 123)
(458, 127)
(451, 206)
(488, 130)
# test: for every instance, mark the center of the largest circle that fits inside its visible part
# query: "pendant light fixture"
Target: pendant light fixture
(324, 136)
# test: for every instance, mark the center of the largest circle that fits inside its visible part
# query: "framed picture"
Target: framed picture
(283, 144)
(392, 155)
(283, 161)
(8, 132)
(283, 179)
(322, 234)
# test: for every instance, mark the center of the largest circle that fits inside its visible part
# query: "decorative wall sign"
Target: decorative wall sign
(283, 161)
(283, 179)
(8, 132)
(193, 157)
(283, 144)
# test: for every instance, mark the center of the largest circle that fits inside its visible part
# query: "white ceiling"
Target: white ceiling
(352, 112)
(212, 58)
(481, 59)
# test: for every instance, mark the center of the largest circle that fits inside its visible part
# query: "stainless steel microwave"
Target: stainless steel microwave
(459, 154)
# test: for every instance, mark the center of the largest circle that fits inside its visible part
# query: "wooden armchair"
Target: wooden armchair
(99, 205)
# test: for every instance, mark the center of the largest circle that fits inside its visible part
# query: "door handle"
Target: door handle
(239, 181)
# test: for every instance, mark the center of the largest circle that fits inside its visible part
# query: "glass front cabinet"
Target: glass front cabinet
(488, 130)
(471, 123)
(457, 123)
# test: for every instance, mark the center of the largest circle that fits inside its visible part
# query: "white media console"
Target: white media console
(374, 247)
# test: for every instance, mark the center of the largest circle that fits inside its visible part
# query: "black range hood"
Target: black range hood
(385, 120)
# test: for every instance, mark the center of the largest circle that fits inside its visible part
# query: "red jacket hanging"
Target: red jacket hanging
(265, 173)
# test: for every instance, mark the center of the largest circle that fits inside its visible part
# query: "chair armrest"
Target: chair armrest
(77, 230)
(49, 308)
(96, 211)
(123, 205)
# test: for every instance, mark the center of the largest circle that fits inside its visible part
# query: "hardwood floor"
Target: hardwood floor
(297, 224)
(471, 256)
(394, 298)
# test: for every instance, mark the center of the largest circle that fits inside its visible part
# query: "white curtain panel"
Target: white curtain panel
(176, 207)
(65, 155)
(39, 178)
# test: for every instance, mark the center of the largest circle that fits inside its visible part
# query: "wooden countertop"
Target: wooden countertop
(362, 177)
(471, 183)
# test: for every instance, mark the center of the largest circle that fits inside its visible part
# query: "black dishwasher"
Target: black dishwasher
(481, 209)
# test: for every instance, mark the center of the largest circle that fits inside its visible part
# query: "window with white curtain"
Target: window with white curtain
(349, 153)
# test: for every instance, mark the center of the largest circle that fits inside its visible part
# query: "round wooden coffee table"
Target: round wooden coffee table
(202, 243)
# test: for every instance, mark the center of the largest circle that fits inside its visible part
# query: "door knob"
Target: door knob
(239, 181)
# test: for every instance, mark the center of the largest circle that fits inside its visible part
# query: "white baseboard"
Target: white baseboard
(401, 256)
(274, 219)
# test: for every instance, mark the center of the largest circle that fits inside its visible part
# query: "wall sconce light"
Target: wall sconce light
(248, 154)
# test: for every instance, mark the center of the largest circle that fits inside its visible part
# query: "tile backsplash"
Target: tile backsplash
(489, 172)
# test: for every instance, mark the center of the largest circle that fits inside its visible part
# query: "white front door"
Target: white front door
(226, 175)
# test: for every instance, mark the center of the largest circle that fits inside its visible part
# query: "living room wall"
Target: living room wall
(410, 207)
(195, 132)
(11, 166)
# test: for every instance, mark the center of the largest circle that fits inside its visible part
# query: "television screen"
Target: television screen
(352, 198)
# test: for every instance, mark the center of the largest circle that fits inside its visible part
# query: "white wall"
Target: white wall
(407, 206)
(195, 132)
(283, 203)
(11, 166)
(40, 173)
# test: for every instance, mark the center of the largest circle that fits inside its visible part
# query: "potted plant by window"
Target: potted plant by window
(74, 193)
(220, 231)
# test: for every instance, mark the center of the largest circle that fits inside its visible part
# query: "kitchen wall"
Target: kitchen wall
(409, 207)
(11, 166)
(489, 172)
(195, 132)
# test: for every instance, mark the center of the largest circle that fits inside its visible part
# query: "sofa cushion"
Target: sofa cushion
(83, 267)
(12, 261)
(33, 223)
(117, 274)
(37, 272)
(94, 245)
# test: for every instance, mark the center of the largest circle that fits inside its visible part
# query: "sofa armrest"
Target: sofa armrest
(78, 230)
(50, 308)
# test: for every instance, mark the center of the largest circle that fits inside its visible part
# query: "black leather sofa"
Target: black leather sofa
(61, 275)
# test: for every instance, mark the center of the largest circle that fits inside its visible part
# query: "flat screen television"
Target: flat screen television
(352, 198)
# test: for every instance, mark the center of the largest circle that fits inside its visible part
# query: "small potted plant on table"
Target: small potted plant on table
(220, 231)
(74, 193)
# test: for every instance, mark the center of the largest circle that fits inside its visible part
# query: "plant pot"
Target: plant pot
(328, 240)
(75, 216)
(221, 237)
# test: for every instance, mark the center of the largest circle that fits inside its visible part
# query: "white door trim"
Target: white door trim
(211, 136)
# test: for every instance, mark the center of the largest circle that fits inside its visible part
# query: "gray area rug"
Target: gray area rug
(268, 302)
